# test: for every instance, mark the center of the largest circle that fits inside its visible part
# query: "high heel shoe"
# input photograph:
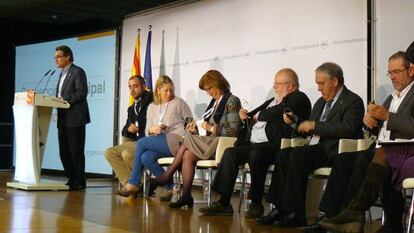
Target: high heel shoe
(183, 202)
(123, 192)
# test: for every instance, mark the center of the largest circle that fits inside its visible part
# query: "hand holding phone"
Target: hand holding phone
(288, 112)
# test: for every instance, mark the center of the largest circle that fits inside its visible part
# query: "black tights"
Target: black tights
(187, 161)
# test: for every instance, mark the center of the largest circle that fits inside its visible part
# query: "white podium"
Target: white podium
(32, 114)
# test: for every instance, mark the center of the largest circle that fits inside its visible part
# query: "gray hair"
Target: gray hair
(333, 70)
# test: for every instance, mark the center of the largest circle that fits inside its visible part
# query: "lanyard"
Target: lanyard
(212, 109)
(161, 112)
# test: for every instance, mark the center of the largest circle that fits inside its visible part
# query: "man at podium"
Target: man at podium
(72, 87)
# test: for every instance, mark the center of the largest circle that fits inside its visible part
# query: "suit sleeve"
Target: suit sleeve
(81, 88)
(347, 124)
(272, 114)
(128, 122)
(402, 123)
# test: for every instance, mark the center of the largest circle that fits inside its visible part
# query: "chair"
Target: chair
(244, 169)
(408, 184)
(210, 164)
(223, 144)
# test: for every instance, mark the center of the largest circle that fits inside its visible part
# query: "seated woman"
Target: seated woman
(165, 127)
(220, 119)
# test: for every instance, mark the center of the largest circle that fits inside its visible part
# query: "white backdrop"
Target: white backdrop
(248, 41)
(394, 32)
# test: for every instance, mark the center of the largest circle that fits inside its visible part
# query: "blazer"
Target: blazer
(229, 122)
(399, 123)
(141, 118)
(344, 120)
(276, 128)
(74, 90)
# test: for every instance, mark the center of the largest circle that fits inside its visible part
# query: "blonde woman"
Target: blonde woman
(165, 127)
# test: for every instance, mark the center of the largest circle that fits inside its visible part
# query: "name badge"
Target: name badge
(314, 140)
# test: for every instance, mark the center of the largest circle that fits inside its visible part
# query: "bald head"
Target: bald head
(290, 76)
(286, 82)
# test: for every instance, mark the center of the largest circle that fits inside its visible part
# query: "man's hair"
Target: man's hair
(66, 51)
(139, 78)
(291, 74)
(400, 54)
(333, 70)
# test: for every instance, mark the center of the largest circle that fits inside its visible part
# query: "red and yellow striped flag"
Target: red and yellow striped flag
(136, 64)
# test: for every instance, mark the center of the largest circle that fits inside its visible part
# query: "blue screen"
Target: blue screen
(96, 55)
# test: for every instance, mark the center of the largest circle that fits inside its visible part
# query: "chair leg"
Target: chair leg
(145, 184)
(210, 177)
(369, 216)
(410, 217)
(242, 189)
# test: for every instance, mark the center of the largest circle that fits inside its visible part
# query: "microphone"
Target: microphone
(42, 79)
(44, 90)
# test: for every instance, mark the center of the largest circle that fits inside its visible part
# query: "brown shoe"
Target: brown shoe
(124, 192)
(167, 196)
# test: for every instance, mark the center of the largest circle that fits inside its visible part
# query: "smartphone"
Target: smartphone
(187, 121)
(291, 117)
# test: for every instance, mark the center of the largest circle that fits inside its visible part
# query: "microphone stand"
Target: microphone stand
(44, 90)
(42, 79)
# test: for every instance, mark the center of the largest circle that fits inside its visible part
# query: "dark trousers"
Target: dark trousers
(259, 156)
(72, 152)
(287, 191)
(348, 172)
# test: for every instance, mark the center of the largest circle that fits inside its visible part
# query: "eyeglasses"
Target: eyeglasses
(280, 84)
(395, 72)
(58, 56)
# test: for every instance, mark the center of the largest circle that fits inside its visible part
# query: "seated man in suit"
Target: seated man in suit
(258, 143)
(337, 114)
(395, 120)
(121, 157)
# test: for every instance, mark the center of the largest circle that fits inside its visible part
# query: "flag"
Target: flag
(162, 59)
(147, 67)
(136, 63)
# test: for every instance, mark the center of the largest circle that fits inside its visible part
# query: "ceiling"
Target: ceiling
(70, 12)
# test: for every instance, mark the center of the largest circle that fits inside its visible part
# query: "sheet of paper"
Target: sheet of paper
(201, 131)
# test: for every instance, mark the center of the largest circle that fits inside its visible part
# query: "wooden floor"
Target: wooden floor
(98, 210)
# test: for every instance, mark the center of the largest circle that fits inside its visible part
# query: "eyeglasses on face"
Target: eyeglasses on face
(395, 72)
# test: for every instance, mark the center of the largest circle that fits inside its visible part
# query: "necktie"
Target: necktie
(137, 107)
(328, 106)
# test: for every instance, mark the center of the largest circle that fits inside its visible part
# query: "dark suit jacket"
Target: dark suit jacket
(343, 121)
(146, 99)
(75, 91)
(276, 128)
(401, 123)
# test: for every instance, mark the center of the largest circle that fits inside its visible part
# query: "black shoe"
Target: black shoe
(182, 202)
(255, 210)
(151, 191)
(158, 183)
(269, 219)
(314, 228)
(293, 219)
(78, 185)
(217, 209)
(70, 182)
